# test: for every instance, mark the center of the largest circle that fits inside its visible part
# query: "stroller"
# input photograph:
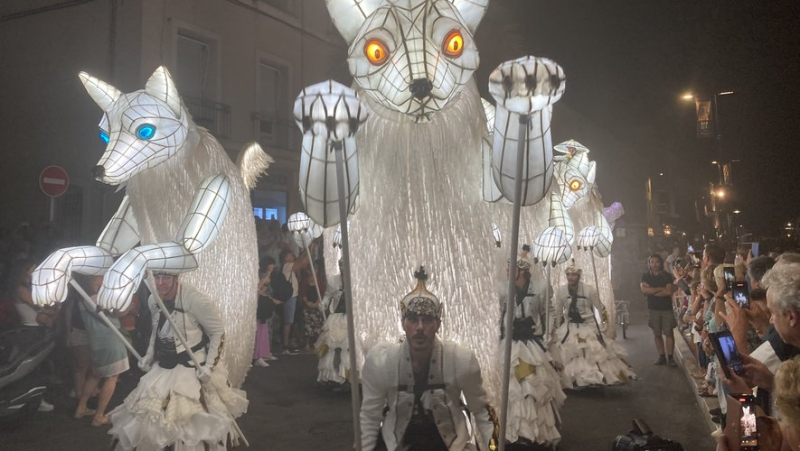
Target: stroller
(22, 350)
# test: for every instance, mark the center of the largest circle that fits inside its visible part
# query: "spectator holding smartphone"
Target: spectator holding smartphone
(783, 300)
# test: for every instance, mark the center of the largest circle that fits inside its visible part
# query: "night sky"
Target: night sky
(627, 64)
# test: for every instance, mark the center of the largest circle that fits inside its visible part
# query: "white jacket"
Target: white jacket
(388, 381)
(587, 298)
(193, 314)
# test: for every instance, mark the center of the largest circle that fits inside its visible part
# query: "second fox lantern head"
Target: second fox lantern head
(410, 56)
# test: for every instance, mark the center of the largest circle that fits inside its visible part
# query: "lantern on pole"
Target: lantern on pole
(298, 222)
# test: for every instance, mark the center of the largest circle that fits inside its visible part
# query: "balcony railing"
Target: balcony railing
(216, 117)
(277, 133)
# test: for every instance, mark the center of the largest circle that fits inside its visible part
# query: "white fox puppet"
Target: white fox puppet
(419, 165)
(186, 205)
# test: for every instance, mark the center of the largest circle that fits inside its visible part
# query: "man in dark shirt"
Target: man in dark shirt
(657, 286)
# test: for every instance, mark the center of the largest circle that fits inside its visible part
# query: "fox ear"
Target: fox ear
(161, 86)
(471, 11)
(592, 172)
(101, 92)
(349, 15)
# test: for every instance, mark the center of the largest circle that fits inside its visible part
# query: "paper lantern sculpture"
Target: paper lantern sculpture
(613, 212)
(419, 160)
(183, 194)
(574, 172)
(496, 234)
(598, 237)
(524, 87)
(298, 222)
(554, 245)
(327, 112)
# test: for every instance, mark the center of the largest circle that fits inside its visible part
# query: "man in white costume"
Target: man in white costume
(419, 382)
(176, 403)
(588, 357)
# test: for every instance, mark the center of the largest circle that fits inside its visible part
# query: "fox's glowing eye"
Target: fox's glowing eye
(146, 131)
(376, 52)
(575, 185)
(454, 44)
(104, 136)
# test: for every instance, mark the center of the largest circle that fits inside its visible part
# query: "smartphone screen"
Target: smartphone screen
(747, 420)
(754, 249)
(730, 276)
(726, 352)
(741, 294)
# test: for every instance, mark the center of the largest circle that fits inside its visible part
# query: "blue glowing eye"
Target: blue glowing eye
(146, 131)
(104, 136)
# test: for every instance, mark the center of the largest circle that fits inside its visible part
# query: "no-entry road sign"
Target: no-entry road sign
(54, 181)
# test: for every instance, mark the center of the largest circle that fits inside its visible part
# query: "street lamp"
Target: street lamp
(690, 96)
(719, 194)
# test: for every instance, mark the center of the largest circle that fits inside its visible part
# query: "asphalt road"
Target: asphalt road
(289, 412)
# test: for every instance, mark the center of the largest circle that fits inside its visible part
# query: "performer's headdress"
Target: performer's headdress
(572, 268)
(421, 301)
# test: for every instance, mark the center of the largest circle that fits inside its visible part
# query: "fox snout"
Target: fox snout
(98, 172)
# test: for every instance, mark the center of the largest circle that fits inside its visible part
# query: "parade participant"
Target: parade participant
(534, 389)
(419, 384)
(176, 403)
(109, 356)
(333, 346)
(657, 286)
(587, 357)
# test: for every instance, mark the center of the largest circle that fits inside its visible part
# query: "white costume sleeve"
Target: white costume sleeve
(373, 396)
(591, 293)
(471, 385)
(207, 315)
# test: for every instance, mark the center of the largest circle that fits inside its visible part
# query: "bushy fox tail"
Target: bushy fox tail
(252, 162)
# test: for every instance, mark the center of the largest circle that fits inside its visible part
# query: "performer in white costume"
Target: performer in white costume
(175, 403)
(413, 389)
(332, 345)
(588, 357)
(534, 393)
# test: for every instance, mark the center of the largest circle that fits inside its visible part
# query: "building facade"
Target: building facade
(238, 65)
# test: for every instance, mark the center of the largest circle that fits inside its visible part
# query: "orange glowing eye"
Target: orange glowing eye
(454, 44)
(376, 52)
(575, 185)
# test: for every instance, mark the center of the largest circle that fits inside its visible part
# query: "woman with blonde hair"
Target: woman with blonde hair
(787, 402)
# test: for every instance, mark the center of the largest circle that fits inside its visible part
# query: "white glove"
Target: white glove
(146, 362)
(204, 374)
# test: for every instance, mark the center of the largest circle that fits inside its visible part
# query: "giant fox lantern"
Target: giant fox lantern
(186, 209)
(419, 166)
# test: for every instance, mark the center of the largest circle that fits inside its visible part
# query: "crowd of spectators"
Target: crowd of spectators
(765, 329)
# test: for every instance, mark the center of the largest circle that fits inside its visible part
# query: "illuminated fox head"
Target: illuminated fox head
(140, 129)
(574, 172)
(410, 56)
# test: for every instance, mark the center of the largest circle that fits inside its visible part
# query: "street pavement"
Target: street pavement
(288, 411)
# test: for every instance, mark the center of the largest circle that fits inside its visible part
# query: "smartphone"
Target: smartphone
(730, 276)
(726, 352)
(741, 428)
(754, 249)
(741, 294)
(748, 438)
(690, 249)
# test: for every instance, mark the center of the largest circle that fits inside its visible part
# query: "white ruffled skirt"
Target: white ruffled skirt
(333, 350)
(587, 362)
(534, 395)
(167, 407)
